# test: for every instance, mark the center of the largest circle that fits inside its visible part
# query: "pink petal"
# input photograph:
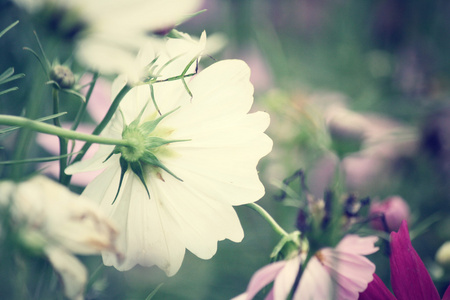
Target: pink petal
(351, 272)
(376, 290)
(263, 277)
(352, 243)
(409, 277)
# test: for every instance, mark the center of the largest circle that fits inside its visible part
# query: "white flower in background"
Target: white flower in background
(175, 188)
(161, 61)
(60, 223)
(111, 32)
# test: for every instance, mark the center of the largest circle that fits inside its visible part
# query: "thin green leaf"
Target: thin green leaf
(166, 64)
(54, 83)
(425, 225)
(82, 108)
(152, 94)
(175, 78)
(189, 65)
(188, 17)
(153, 293)
(154, 161)
(76, 94)
(42, 50)
(137, 169)
(17, 76)
(186, 87)
(8, 72)
(123, 170)
(39, 59)
(8, 28)
(138, 119)
(94, 276)
(9, 90)
(35, 160)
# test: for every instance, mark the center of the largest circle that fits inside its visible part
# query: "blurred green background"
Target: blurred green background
(389, 57)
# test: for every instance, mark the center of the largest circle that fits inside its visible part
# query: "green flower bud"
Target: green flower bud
(63, 76)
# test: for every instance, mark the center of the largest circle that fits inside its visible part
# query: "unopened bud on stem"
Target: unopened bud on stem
(63, 76)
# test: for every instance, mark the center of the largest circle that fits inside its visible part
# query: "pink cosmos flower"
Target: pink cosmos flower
(342, 272)
(394, 208)
(97, 107)
(409, 277)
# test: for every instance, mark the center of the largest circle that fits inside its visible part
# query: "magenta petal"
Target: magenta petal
(263, 277)
(409, 277)
(376, 290)
(446, 294)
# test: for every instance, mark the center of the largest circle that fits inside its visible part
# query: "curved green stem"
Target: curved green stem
(61, 132)
(84, 104)
(275, 226)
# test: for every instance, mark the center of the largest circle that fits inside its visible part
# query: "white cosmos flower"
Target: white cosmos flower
(49, 217)
(113, 31)
(190, 189)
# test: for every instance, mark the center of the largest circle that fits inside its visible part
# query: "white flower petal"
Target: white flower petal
(203, 220)
(315, 283)
(286, 278)
(94, 163)
(221, 93)
(73, 274)
(151, 231)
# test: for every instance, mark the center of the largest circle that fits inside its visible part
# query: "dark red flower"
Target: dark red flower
(409, 277)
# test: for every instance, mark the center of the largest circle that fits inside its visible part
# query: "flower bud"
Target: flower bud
(63, 76)
(394, 209)
(443, 254)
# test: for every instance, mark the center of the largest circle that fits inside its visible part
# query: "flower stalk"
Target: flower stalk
(266, 216)
(60, 132)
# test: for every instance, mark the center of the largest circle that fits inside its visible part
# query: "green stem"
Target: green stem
(61, 132)
(105, 121)
(83, 106)
(275, 226)
(112, 109)
(62, 140)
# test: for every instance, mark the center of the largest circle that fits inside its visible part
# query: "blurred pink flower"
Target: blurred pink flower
(343, 272)
(395, 210)
(409, 276)
(383, 140)
(97, 107)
